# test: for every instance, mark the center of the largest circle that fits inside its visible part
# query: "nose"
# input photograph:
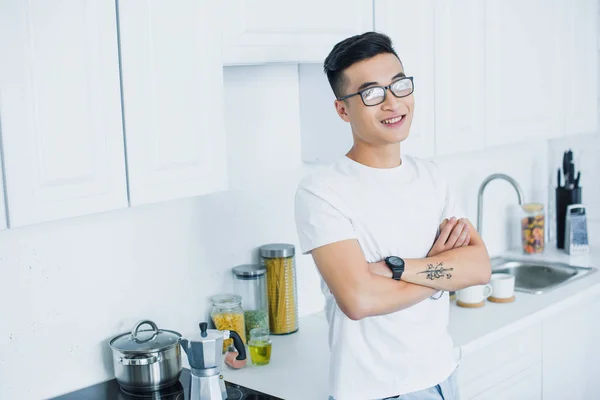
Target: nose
(391, 102)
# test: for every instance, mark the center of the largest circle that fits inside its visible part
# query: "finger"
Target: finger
(455, 235)
(463, 237)
(468, 240)
(446, 230)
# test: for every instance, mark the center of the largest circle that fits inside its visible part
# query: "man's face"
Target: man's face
(376, 125)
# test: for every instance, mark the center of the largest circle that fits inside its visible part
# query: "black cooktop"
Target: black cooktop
(111, 390)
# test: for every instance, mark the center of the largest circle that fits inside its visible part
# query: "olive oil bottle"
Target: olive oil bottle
(260, 346)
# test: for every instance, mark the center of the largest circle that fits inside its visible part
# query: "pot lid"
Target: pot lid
(147, 340)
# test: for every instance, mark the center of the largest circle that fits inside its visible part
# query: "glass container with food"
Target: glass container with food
(227, 314)
(278, 258)
(250, 282)
(532, 228)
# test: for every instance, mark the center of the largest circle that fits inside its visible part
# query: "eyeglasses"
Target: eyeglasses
(375, 95)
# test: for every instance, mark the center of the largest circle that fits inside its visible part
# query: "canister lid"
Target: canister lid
(532, 207)
(277, 250)
(246, 271)
(148, 340)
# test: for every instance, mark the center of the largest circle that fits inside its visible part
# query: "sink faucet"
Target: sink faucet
(482, 188)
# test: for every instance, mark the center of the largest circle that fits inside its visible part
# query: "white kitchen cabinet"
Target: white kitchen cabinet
(459, 76)
(61, 110)
(581, 74)
(525, 385)
(571, 355)
(173, 98)
(261, 31)
(410, 25)
(524, 69)
(514, 360)
(3, 221)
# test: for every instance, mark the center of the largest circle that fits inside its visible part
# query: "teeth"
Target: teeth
(392, 121)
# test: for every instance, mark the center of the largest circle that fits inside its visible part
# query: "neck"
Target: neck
(386, 156)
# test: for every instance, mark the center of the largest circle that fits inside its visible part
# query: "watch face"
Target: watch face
(395, 261)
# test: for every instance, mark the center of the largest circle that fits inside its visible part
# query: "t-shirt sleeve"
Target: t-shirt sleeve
(319, 218)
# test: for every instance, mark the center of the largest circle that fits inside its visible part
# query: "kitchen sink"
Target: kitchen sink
(537, 277)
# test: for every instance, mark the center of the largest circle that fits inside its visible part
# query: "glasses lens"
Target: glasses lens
(402, 88)
(373, 96)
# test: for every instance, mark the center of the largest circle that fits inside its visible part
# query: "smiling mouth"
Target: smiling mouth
(393, 121)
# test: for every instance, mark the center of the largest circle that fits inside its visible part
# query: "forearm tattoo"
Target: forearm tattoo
(437, 272)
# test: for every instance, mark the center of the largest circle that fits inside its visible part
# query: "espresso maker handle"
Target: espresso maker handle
(238, 344)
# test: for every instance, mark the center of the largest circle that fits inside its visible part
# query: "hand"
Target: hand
(380, 268)
(453, 234)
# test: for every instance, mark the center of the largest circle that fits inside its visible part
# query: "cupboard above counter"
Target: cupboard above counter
(486, 75)
(103, 108)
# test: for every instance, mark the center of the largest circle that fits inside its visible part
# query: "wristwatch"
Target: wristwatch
(396, 264)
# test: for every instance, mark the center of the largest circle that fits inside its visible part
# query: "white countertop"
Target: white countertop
(299, 365)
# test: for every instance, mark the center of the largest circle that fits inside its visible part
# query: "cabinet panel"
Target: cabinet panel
(3, 220)
(581, 58)
(459, 76)
(61, 110)
(571, 357)
(486, 368)
(173, 98)
(260, 31)
(524, 66)
(412, 37)
(526, 385)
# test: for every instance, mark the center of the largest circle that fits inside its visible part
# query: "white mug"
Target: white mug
(474, 294)
(503, 285)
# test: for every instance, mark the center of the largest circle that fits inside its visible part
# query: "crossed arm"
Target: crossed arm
(457, 259)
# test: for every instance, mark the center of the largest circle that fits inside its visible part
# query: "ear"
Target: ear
(342, 109)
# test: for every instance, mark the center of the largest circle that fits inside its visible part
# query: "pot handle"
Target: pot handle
(136, 328)
(138, 361)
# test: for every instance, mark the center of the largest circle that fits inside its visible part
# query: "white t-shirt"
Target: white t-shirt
(394, 211)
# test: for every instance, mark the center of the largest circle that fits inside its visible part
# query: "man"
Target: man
(383, 231)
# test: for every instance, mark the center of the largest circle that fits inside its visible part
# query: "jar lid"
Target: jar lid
(226, 299)
(532, 207)
(147, 340)
(249, 270)
(277, 250)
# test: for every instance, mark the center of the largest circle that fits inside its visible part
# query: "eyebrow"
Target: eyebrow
(367, 84)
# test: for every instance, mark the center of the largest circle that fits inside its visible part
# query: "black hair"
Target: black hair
(350, 51)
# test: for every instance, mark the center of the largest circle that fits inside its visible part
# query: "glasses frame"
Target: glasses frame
(385, 89)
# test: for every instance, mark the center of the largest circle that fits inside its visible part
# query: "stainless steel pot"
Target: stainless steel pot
(146, 360)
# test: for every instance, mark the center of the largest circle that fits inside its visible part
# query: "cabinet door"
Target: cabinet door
(524, 75)
(3, 221)
(459, 76)
(172, 98)
(581, 75)
(525, 385)
(261, 31)
(571, 355)
(61, 109)
(410, 26)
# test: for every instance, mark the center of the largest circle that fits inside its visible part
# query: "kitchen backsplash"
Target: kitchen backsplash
(71, 285)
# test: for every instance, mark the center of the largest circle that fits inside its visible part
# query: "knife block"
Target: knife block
(564, 197)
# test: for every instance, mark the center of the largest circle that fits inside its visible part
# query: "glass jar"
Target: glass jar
(250, 282)
(532, 228)
(282, 292)
(259, 345)
(227, 314)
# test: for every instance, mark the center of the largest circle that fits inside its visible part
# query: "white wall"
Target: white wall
(71, 285)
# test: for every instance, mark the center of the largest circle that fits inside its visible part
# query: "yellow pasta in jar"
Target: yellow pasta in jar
(230, 322)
